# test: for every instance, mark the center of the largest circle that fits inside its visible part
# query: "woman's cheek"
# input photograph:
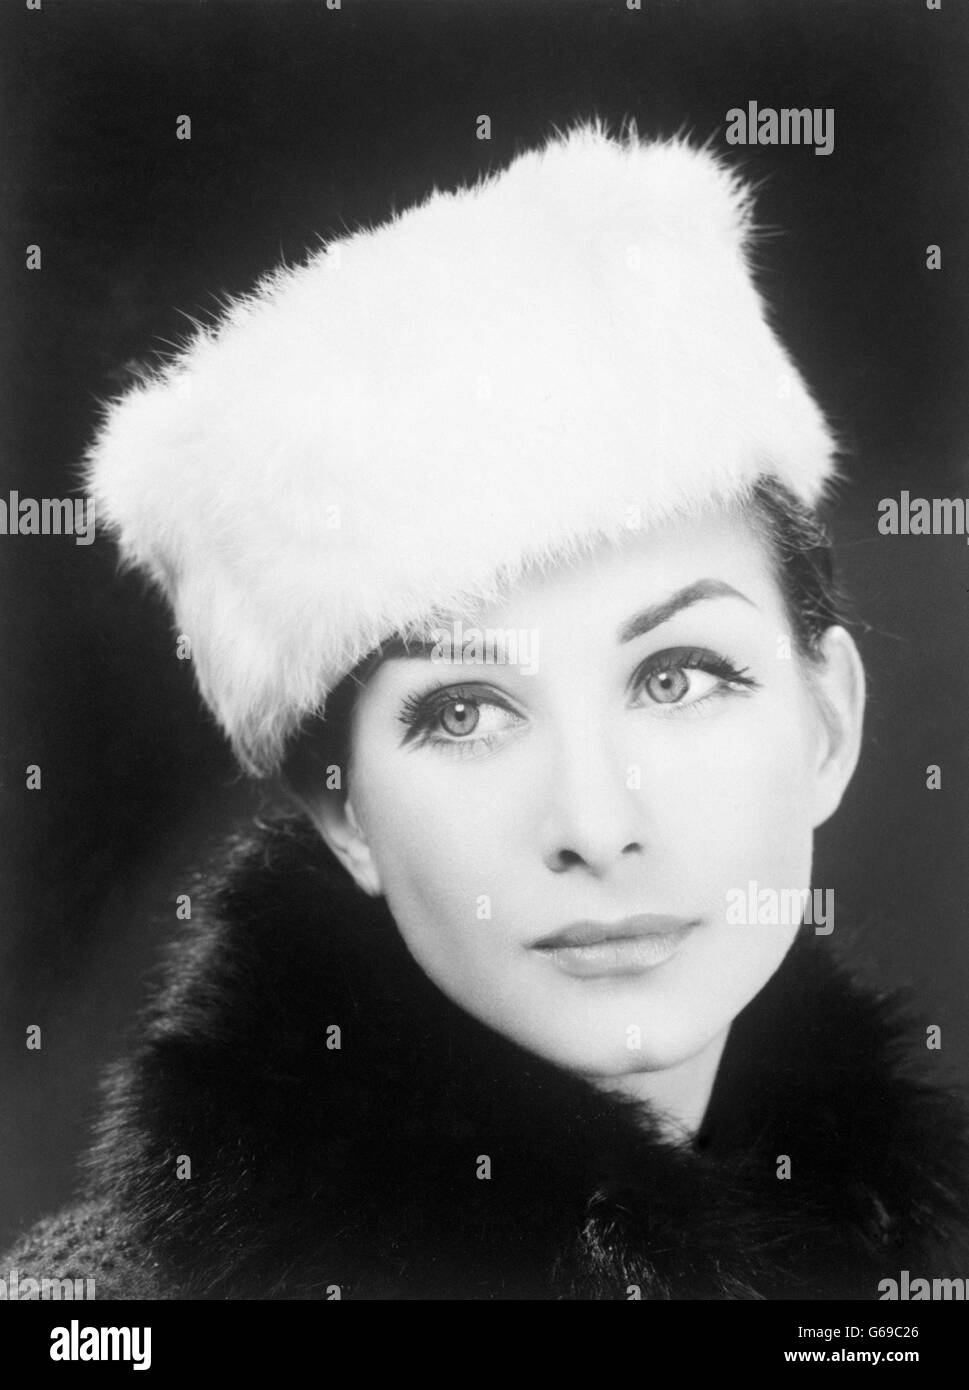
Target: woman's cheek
(431, 852)
(739, 809)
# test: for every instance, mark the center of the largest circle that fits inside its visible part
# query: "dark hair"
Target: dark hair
(323, 743)
(800, 545)
(795, 538)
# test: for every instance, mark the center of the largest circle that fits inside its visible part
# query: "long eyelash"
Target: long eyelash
(720, 666)
(415, 708)
(419, 711)
(696, 659)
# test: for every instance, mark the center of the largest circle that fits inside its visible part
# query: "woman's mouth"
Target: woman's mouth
(629, 947)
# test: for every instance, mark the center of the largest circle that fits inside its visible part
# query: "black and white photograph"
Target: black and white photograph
(484, 547)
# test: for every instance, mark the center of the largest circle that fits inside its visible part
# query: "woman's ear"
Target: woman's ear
(838, 681)
(334, 817)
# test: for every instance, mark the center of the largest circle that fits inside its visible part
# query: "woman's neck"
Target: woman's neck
(678, 1096)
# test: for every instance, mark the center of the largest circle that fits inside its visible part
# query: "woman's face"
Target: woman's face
(558, 838)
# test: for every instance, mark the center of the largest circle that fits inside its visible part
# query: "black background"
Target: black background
(306, 121)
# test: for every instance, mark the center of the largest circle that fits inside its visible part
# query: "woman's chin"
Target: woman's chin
(612, 1051)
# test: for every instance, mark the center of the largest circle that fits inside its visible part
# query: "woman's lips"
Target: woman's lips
(629, 947)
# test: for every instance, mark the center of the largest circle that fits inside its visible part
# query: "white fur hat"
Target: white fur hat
(501, 376)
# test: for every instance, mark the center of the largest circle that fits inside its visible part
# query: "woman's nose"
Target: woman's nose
(594, 818)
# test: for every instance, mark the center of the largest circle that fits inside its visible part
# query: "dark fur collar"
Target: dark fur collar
(313, 1167)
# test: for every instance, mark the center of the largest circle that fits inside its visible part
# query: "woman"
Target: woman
(493, 530)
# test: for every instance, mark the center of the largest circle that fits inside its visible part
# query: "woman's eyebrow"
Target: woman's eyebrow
(659, 613)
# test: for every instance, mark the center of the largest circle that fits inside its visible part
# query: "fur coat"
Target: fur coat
(355, 1171)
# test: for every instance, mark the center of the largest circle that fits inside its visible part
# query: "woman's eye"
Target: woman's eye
(688, 678)
(463, 716)
(671, 686)
(457, 719)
